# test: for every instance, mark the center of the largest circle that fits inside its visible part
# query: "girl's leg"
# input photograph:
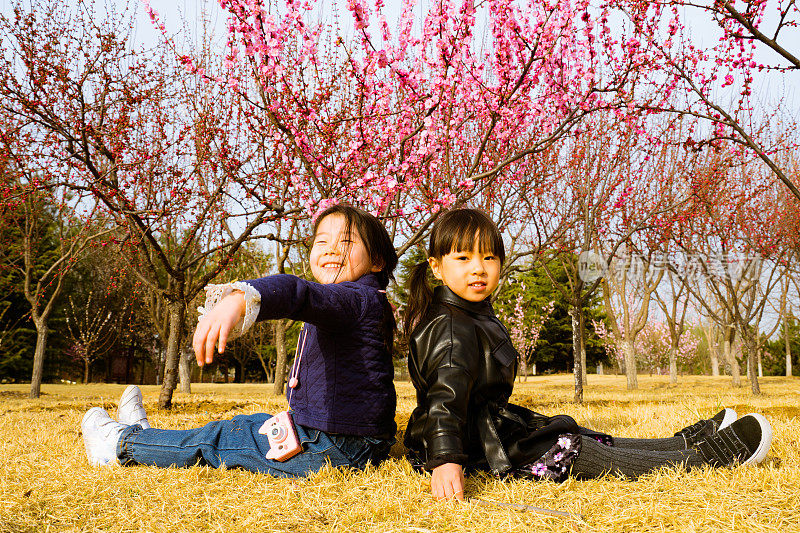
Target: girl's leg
(745, 441)
(236, 443)
(683, 439)
(665, 444)
(233, 442)
(595, 460)
(585, 457)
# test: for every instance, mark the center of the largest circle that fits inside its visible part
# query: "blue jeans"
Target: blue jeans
(236, 443)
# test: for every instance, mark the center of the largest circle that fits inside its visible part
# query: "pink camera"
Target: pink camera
(282, 437)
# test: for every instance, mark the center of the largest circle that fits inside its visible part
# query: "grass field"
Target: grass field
(47, 485)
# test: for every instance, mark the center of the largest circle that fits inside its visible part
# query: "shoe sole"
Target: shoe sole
(729, 418)
(766, 440)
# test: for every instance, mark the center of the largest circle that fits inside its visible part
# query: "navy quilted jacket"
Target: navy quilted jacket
(345, 375)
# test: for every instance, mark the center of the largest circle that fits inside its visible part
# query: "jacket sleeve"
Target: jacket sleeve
(324, 305)
(449, 366)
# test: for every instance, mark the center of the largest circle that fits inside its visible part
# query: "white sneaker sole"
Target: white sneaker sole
(766, 440)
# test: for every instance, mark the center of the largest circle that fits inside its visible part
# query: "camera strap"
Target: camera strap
(293, 381)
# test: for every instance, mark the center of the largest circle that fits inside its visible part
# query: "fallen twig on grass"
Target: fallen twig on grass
(531, 508)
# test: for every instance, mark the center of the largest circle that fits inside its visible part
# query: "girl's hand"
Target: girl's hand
(215, 327)
(447, 481)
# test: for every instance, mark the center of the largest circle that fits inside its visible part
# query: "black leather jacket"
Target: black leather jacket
(463, 366)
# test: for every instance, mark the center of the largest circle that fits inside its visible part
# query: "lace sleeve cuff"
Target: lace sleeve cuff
(252, 300)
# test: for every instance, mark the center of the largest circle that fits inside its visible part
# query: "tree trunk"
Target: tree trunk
(714, 355)
(582, 337)
(280, 362)
(86, 366)
(600, 369)
(38, 357)
(176, 314)
(751, 367)
(673, 365)
(523, 367)
(630, 364)
(736, 372)
(788, 348)
(575, 313)
(263, 364)
(184, 373)
(730, 358)
(726, 353)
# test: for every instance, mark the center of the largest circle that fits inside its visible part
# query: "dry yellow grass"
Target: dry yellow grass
(47, 485)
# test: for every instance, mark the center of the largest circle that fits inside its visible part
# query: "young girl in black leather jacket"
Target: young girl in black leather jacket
(463, 366)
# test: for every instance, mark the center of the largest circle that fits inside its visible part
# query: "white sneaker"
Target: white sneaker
(101, 434)
(131, 410)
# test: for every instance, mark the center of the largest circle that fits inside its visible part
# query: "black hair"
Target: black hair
(453, 231)
(379, 248)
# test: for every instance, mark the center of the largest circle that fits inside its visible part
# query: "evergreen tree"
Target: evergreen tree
(553, 351)
(18, 334)
(774, 360)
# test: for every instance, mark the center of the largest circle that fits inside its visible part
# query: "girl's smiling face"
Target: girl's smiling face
(339, 254)
(473, 275)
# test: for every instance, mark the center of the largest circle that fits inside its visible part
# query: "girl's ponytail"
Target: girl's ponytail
(419, 298)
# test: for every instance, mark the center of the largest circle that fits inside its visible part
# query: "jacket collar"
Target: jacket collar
(370, 280)
(443, 294)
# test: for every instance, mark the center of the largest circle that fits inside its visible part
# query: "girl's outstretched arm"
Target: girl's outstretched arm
(447, 481)
(326, 305)
(215, 327)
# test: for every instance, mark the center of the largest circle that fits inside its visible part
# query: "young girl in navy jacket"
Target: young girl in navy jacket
(340, 388)
(463, 366)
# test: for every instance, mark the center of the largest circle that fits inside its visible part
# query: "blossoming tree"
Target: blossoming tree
(157, 153)
(713, 79)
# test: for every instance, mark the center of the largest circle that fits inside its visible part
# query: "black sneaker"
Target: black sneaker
(705, 428)
(746, 441)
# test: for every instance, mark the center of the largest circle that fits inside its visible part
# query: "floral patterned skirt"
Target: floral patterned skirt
(556, 463)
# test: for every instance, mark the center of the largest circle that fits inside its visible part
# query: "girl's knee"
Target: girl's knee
(567, 424)
(255, 418)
